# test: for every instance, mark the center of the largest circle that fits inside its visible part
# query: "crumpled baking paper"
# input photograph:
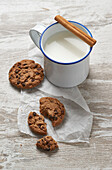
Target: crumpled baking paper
(77, 124)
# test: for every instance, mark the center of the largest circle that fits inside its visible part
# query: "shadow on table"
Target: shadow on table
(15, 88)
(79, 144)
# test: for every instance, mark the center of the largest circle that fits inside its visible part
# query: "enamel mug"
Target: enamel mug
(61, 74)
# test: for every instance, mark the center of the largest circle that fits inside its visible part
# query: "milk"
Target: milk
(65, 47)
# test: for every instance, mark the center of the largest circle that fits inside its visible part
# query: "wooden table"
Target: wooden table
(18, 151)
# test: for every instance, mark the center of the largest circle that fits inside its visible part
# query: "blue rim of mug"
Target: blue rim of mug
(62, 62)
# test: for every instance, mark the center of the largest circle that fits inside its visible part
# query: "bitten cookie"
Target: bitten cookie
(53, 109)
(37, 124)
(47, 143)
(26, 74)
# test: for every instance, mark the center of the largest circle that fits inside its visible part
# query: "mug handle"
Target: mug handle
(35, 34)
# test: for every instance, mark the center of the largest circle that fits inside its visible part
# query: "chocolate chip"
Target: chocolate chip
(40, 118)
(28, 77)
(60, 116)
(34, 114)
(50, 116)
(45, 138)
(23, 84)
(16, 71)
(26, 67)
(39, 125)
(55, 111)
(38, 141)
(62, 112)
(54, 118)
(49, 144)
(35, 66)
(38, 68)
(19, 66)
(42, 127)
(37, 73)
(17, 76)
(10, 77)
(18, 82)
(30, 117)
(24, 64)
(48, 149)
(33, 80)
(29, 123)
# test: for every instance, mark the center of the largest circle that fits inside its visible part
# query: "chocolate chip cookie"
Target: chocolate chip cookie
(53, 109)
(37, 124)
(47, 143)
(26, 74)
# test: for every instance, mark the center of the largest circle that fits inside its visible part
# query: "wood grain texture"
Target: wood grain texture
(18, 151)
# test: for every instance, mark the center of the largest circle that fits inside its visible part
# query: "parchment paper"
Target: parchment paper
(77, 123)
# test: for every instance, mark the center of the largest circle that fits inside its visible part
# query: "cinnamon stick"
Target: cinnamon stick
(75, 30)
